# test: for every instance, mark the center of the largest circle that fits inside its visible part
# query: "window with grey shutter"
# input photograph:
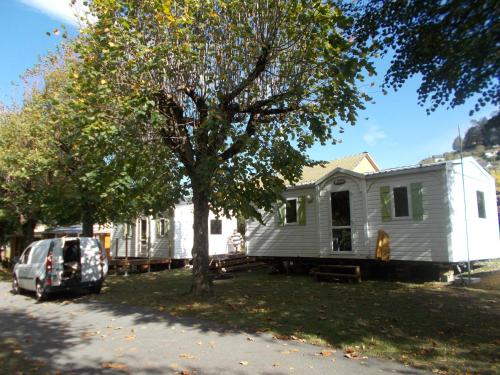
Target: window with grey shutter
(401, 207)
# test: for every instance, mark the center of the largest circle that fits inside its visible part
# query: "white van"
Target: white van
(59, 264)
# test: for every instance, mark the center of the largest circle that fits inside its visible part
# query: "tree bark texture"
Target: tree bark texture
(202, 285)
(87, 220)
(28, 229)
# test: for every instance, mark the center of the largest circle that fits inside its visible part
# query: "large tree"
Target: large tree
(237, 90)
(452, 44)
(24, 163)
(63, 160)
(110, 175)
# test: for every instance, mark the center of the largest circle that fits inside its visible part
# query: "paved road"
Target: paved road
(87, 336)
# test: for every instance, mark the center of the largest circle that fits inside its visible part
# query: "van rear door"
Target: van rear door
(37, 263)
(91, 259)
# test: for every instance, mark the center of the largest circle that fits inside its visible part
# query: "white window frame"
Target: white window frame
(484, 204)
(331, 227)
(393, 202)
(296, 222)
(163, 227)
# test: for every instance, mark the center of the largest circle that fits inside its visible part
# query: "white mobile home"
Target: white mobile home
(420, 210)
(169, 236)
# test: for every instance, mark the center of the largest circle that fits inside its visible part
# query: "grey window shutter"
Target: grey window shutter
(302, 210)
(417, 203)
(280, 212)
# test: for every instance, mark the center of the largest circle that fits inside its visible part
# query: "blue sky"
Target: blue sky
(394, 130)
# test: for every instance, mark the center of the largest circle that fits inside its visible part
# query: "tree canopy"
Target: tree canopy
(237, 91)
(452, 44)
(63, 158)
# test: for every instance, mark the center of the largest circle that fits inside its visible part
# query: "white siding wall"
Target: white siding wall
(410, 239)
(178, 242)
(484, 240)
(160, 245)
(183, 233)
(290, 240)
(357, 203)
(118, 234)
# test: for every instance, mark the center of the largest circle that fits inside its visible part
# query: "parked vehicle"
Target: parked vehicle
(57, 264)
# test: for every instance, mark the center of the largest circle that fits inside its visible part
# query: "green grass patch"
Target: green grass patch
(5, 275)
(442, 328)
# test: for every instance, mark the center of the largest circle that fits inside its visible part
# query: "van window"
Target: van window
(26, 255)
(40, 252)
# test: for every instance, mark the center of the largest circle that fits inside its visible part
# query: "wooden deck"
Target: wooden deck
(123, 262)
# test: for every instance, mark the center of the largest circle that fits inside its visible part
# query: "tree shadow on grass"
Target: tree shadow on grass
(444, 328)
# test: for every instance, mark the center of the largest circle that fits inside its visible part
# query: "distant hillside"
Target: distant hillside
(485, 132)
(481, 141)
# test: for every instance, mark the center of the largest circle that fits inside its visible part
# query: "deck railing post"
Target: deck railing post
(149, 247)
(126, 255)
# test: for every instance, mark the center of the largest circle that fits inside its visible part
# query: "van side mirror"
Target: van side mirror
(15, 259)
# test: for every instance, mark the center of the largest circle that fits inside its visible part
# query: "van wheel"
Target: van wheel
(15, 286)
(40, 293)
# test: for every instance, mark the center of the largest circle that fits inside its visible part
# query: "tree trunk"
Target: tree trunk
(28, 229)
(202, 283)
(87, 220)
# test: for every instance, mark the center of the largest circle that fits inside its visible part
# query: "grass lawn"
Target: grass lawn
(5, 275)
(442, 328)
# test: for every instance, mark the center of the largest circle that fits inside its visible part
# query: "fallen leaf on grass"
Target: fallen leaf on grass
(244, 363)
(281, 337)
(114, 366)
(439, 372)
(351, 355)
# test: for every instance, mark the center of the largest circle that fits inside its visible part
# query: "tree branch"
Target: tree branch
(175, 133)
(262, 103)
(239, 143)
(259, 67)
